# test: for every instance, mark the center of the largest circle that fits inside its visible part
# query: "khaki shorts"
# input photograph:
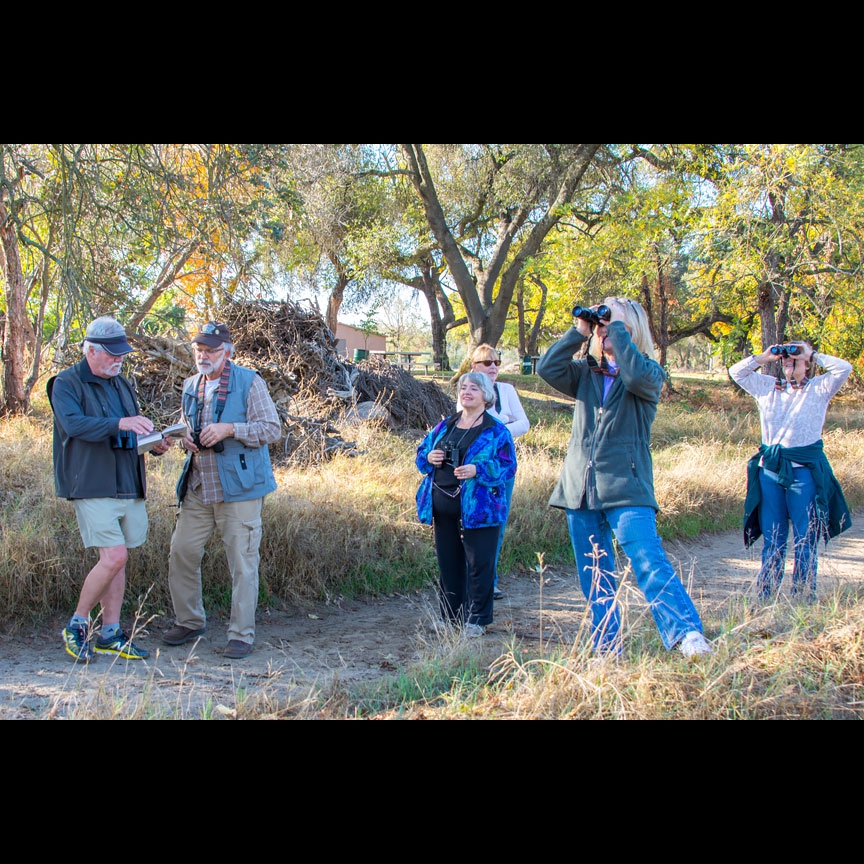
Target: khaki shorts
(106, 523)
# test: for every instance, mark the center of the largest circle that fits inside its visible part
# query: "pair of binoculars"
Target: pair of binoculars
(786, 351)
(595, 317)
(124, 441)
(452, 456)
(216, 448)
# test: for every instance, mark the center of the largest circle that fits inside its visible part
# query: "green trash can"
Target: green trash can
(527, 366)
(360, 354)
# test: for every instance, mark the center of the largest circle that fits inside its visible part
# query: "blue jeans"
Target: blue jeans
(511, 485)
(635, 528)
(780, 506)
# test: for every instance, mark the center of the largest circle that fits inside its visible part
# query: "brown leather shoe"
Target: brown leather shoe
(178, 635)
(237, 650)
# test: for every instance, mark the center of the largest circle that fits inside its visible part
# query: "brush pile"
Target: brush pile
(319, 394)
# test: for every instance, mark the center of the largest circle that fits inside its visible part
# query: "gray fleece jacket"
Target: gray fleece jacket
(609, 462)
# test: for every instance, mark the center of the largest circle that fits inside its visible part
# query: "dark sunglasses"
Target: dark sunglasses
(488, 363)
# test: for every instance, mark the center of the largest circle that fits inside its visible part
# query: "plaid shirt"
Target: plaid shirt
(262, 428)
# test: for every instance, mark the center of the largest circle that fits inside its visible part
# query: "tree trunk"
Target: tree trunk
(767, 316)
(16, 397)
(441, 314)
(658, 316)
(520, 311)
(529, 340)
(773, 299)
(337, 295)
(658, 311)
(487, 313)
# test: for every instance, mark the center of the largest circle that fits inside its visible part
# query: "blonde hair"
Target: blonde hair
(478, 355)
(636, 320)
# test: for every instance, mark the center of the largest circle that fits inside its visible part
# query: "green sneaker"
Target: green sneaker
(121, 646)
(76, 640)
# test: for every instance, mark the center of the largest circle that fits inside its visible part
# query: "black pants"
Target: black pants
(466, 561)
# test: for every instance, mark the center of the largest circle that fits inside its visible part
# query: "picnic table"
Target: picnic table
(403, 358)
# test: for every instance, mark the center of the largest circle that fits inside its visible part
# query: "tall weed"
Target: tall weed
(350, 525)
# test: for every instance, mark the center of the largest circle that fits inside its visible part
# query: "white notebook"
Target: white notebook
(147, 442)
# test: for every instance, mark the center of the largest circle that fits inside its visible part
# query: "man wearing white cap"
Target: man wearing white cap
(97, 467)
(232, 420)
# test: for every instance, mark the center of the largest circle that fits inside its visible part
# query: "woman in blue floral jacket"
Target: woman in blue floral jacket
(467, 461)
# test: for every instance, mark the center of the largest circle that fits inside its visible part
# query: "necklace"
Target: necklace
(464, 432)
(473, 425)
(453, 494)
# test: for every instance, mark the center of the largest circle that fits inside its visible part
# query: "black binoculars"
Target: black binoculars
(124, 441)
(218, 448)
(452, 455)
(786, 350)
(595, 317)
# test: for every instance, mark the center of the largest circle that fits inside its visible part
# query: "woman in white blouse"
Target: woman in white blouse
(508, 409)
(790, 479)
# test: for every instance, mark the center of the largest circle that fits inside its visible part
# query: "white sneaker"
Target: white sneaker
(695, 644)
(474, 631)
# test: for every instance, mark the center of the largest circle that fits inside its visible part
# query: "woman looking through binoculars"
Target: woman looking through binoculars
(790, 479)
(607, 485)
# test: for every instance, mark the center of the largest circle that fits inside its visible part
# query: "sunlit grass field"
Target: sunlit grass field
(350, 527)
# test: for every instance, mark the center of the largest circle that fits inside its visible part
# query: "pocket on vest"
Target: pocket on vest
(243, 471)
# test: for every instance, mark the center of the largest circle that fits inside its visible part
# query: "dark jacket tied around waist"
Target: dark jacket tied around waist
(832, 511)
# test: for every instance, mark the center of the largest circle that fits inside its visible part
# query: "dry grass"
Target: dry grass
(780, 663)
(350, 526)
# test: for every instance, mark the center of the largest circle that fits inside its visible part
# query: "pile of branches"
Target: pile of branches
(313, 387)
(412, 404)
(158, 369)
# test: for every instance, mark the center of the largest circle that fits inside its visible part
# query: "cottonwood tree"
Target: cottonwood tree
(490, 208)
(330, 237)
(785, 236)
(531, 330)
(423, 275)
(641, 246)
(360, 234)
(29, 226)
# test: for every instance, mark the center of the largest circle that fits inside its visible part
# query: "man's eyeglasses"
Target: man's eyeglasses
(488, 363)
(210, 352)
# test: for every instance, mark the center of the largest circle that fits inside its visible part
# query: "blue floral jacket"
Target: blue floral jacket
(484, 499)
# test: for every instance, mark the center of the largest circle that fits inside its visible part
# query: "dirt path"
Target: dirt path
(360, 640)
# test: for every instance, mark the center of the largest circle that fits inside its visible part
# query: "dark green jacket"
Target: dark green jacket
(85, 463)
(831, 508)
(609, 462)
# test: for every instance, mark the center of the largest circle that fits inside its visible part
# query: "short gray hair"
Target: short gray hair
(484, 382)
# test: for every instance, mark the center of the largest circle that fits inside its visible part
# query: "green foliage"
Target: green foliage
(729, 242)
(431, 683)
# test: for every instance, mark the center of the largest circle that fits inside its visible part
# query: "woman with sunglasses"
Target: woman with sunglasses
(508, 409)
(607, 485)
